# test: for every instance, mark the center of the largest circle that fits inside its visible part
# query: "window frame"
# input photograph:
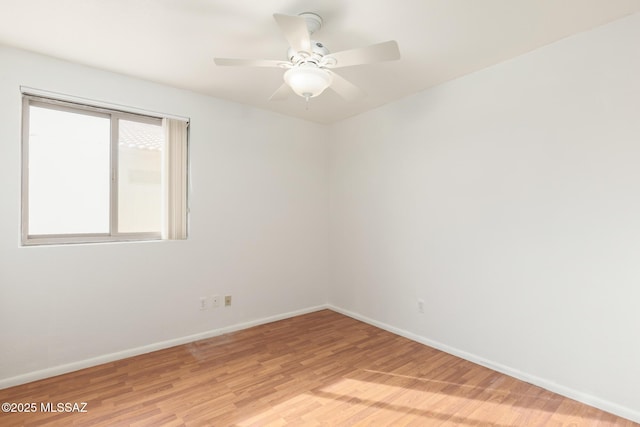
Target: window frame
(80, 108)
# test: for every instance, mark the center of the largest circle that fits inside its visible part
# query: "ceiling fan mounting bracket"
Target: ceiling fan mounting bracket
(313, 20)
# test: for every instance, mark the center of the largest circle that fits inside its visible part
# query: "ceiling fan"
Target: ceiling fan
(310, 64)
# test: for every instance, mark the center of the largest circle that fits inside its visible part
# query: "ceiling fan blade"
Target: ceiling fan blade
(237, 62)
(283, 92)
(345, 88)
(387, 51)
(295, 31)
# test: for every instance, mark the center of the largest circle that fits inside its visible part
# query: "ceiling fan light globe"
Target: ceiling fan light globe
(308, 81)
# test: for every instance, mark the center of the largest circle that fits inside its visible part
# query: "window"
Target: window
(93, 174)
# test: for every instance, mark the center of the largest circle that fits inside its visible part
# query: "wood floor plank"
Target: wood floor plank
(322, 368)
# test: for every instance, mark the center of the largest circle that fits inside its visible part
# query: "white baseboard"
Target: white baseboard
(605, 405)
(94, 361)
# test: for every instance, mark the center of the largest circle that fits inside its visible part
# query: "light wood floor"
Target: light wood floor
(318, 369)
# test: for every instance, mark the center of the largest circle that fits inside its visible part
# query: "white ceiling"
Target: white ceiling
(174, 41)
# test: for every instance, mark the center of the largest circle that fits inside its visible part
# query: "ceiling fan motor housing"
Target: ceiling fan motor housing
(318, 50)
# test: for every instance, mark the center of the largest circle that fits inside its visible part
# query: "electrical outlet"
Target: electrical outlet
(420, 306)
(227, 300)
(215, 301)
(203, 303)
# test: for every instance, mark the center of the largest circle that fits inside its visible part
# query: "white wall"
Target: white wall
(509, 200)
(258, 232)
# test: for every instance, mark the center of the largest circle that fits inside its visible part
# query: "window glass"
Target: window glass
(139, 177)
(69, 172)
